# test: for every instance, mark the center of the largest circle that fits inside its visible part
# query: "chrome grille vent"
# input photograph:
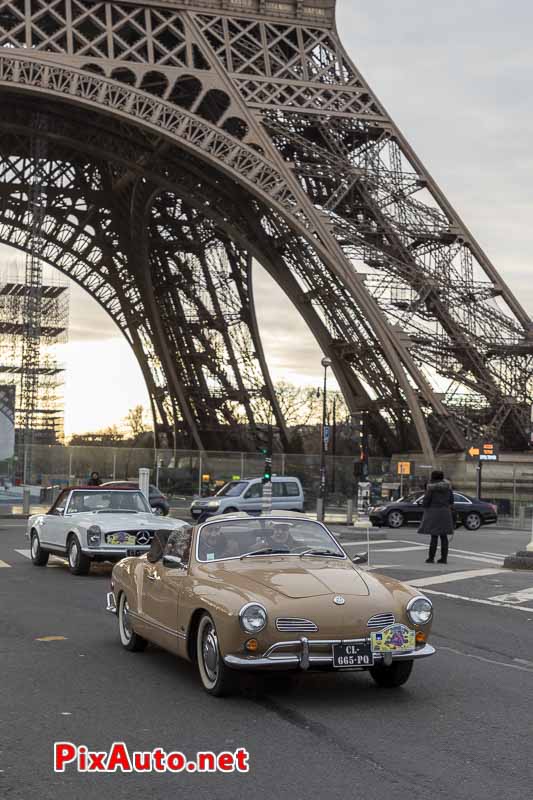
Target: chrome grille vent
(293, 625)
(381, 620)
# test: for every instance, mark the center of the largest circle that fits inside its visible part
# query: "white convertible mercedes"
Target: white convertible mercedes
(95, 524)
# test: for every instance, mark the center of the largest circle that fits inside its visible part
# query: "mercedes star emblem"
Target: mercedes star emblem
(143, 537)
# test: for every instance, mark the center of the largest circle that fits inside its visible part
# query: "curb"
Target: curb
(523, 560)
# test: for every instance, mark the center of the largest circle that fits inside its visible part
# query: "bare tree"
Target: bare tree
(136, 422)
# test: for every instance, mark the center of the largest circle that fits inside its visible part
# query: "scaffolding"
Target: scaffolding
(39, 380)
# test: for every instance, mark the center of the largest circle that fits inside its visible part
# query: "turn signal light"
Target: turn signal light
(251, 645)
(421, 637)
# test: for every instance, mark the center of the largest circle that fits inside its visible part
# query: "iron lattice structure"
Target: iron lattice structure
(28, 361)
(186, 139)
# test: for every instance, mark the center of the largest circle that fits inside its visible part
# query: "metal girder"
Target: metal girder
(255, 124)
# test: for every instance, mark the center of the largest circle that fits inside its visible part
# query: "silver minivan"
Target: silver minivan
(247, 495)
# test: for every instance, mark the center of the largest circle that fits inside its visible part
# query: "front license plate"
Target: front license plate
(121, 538)
(353, 654)
(133, 553)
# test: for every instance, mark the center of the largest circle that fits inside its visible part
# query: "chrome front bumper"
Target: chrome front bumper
(111, 603)
(304, 657)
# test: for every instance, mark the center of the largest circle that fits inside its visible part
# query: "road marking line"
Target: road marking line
(478, 601)
(516, 598)
(364, 541)
(451, 577)
(4, 565)
(486, 660)
(480, 559)
(400, 549)
(25, 553)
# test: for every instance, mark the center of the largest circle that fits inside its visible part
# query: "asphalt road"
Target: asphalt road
(461, 727)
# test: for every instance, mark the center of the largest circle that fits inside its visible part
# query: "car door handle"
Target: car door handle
(153, 577)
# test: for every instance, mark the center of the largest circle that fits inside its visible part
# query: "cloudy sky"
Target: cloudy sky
(457, 79)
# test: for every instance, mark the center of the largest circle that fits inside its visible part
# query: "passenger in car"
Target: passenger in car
(214, 544)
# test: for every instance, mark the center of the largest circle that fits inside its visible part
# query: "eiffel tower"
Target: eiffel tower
(186, 139)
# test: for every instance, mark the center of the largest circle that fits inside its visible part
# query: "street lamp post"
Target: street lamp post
(321, 504)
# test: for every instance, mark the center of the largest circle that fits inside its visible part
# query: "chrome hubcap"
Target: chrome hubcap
(473, 521)
(210, 652)
(34, 546)
(395, 519)
(126, 626)
(73, 554)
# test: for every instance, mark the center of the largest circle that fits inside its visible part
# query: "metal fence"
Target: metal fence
(184, 474)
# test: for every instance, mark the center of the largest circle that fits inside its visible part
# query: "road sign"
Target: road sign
(404, 467)
(327, 436)
(483, 451)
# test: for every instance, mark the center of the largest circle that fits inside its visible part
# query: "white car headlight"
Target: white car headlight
(214, 504)
(420, 610)
(253, 618)
(94, 536)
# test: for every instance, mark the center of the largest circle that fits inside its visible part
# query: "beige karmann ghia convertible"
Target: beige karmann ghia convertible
(270, 592)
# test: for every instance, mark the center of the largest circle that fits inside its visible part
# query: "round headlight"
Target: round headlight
(253, 618)
(94, 535)
(420, 610)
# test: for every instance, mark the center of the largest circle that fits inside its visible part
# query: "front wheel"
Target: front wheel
(472, 522)
(395, 519)
(39, 556)
(78, 562)
(216, 677)
(394, 676)
(128, 638)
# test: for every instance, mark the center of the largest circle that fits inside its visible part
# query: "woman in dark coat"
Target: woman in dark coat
(438, 520)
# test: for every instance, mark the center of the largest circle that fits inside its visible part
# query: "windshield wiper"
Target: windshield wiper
(321, 553)
(265, 551)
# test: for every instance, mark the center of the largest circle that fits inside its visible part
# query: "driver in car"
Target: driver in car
(281, 538)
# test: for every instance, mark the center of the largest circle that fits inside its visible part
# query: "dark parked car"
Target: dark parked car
(157, 500)
(469, 511)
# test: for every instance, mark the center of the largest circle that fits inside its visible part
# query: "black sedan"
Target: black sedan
(469, 511)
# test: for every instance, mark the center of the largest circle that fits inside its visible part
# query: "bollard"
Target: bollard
(26, 501)
(320, 509)
(144, 482)
(349, 512)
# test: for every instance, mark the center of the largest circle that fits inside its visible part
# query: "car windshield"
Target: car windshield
(232, 489)
(107, 501)
(253, 538)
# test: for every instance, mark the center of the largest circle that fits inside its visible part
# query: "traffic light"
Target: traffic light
(263, 439)
(267, 472)
(264, 442)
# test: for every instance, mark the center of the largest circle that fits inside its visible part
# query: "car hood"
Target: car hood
(294, 577)
(125, 522)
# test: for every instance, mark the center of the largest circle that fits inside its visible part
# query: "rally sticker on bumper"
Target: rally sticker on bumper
(396, 638)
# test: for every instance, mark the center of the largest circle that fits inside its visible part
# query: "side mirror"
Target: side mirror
(60, 510)
(361, 558)
(174, 562)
